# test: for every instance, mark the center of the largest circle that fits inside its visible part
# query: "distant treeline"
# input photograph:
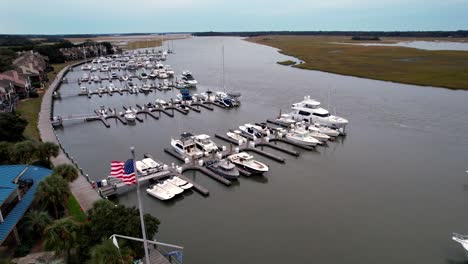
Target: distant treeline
(433, 34)
(373, 38)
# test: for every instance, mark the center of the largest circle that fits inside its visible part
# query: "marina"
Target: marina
(340, 181)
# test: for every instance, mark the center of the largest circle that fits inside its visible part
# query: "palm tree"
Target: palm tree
(53, 191)
(67, 171)
(107, 253)
(48, 150)
(24, 151)
(61, 236)
(36, 221)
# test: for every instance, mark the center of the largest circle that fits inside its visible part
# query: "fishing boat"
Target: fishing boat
(179, 182)
(224, 168)
(325, 130)
(174, 189)
(205, 144)
(286, 120)
(159, 193)
(246, 161)
(130, 116)
(236, 135)
(185, 146)
(152, 165)
(302, 137)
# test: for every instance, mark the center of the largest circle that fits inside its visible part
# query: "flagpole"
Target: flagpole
(140, 207)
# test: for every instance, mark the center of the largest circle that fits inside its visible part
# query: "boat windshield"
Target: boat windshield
(311, 106)
(321, 115)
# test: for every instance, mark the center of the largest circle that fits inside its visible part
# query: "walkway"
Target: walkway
(81, 189)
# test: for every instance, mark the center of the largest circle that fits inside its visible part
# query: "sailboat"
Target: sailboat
(224, 98)
(85, 67)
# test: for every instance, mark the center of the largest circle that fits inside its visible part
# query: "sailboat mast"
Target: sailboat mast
(224, 86)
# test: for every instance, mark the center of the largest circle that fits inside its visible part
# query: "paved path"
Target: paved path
(81, 189)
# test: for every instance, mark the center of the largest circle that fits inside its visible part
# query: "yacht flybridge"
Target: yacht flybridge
(185, 146)
(309, 110)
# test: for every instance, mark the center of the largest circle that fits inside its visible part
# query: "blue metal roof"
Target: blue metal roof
(35, 173)
(7, 174)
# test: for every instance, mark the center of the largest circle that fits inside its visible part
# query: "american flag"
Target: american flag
(123, 171)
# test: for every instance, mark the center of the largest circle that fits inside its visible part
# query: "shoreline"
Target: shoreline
(305, 65)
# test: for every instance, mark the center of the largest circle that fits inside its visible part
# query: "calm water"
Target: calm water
(392, 191)
(425, 45)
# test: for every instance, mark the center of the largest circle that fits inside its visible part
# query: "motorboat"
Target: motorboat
(302, 137)
(188, 79)
(159, 193)
(104, 67)
(223, 99)
(325, 130)
(86, 67)
(139, 64)
(205, 144)
(462, 239)
(184, 95)
(166, 185)
(246, 161)
(208, 96)
(309, 110)
(162, 74)
(152, 75)
(96, 78)
(141, 167)
(161, 102)
(152, 165)
(114, 65)
(185, 146)
(125, 78)
(286, 120)
(315, 132)
(179, 182)
(114, 75)
(159, 65)
(261, 130)
(223, 167)
(146, 88)
(123, 66)
(169, 71)
(249, 131)
(130, 85)
(130, 116)
(236, 135)
(83, 90)
(143, 75)
(94, 68)
(111, 87)
(85, 77)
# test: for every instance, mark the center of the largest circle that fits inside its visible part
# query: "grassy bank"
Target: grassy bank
(399, 64)
(29, 108)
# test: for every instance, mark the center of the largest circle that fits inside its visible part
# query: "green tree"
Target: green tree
(5, 152)
(47, 150)
(11, 127)
(106, 219)
(36, 221)
(107, 253)
(53, 192)
(67, 171)
(24, 151)
(61, 236)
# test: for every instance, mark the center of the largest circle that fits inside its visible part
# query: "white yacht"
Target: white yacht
(188, 79)
(325, 130)
(205, 144)
(236, 135)
(302, 137)
(86, 67)
(162, 74)
(130, 116)
(114, 65)
(309, 110)
(104, 67)
(169, 71)
(186, 147)
(159, 193)
(179, 182)
(246, 161)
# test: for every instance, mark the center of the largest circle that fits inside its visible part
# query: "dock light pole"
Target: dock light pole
(140, 207)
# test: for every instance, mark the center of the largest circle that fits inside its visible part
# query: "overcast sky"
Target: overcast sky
(119, 16)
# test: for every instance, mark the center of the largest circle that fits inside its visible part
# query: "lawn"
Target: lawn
(399, 64)
(74, 209)
(29, 108)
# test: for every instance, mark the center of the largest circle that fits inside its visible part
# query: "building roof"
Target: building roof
(7, 174)
(14, 77)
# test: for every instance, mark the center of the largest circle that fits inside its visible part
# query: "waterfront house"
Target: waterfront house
(19, 82)
(33, 65)
(18, 185)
